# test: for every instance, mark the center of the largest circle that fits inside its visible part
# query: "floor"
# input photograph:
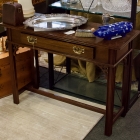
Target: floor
(126, 128)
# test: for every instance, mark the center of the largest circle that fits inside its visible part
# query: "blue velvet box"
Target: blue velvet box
(115, 30)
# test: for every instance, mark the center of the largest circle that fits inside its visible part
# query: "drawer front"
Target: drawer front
(23, 56)
(4, 61)
(5, 88)
(23, 75)
(59, 47)
(19, 57)
(5, 74)
(23, 68)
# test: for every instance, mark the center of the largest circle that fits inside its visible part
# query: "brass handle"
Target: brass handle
(78, 50)
(32, 39)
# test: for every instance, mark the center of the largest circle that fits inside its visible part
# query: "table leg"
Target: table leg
(110, 94)
(51, 70)
(68, 65)
(110, 101)
(35, 69)
(126, 85)
(14, 82)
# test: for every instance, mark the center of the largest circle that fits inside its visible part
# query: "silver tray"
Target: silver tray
(49, 22)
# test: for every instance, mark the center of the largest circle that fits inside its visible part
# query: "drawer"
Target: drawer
(5, 74)
(6, 85)
(5, 88)
(59, 47)
(23, 56)
(4, 61)
(23, 68)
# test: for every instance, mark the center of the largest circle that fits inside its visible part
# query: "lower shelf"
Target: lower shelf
(95, 91)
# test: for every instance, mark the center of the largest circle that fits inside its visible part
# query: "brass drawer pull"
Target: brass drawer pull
(78, 50)
(32, 39)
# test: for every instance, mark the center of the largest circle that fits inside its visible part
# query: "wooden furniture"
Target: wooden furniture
(95, 15)
(23, 71)
(105, 54)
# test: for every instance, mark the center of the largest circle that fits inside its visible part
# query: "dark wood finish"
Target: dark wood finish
(23, 67)
(35, 68)
(110, 95)
(13, 68)
(105, 54)
(126, 83)
(51, 70)
(68, 65)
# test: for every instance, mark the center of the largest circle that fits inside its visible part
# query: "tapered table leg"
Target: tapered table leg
(68, 65)
(126, 85)
(35, 69)
(110, 95)
(110, 101)
(51, 70)
(12, 53)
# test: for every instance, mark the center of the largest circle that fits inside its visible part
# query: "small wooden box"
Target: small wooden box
(23, 63)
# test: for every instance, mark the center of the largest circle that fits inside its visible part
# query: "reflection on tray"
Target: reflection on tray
(55, 21)
(53, 25)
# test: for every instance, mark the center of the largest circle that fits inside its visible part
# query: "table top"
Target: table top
(118, 44)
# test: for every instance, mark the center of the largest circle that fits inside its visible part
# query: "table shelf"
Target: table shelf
(97, 10)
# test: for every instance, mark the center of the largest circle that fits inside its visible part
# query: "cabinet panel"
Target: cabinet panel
(23, 64)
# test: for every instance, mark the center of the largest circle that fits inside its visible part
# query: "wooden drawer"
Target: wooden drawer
(23, 66)
(4, 61)
(23, 75)
(60, 47)
(23, 56)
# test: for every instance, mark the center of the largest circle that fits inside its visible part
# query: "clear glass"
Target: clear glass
(117, 5)
(97, 10)
(67, 2)
(89, 4)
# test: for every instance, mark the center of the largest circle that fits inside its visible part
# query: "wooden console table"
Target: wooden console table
(105, 54)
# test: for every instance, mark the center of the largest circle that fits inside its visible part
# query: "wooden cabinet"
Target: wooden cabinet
(23, 63)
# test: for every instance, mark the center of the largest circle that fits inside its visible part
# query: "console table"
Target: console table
(105, 54)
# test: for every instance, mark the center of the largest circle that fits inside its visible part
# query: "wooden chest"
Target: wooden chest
(23, 63)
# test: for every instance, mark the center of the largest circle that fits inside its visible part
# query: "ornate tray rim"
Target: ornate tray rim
(82, 19)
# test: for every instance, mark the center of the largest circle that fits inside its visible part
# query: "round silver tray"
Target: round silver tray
(49, 22)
